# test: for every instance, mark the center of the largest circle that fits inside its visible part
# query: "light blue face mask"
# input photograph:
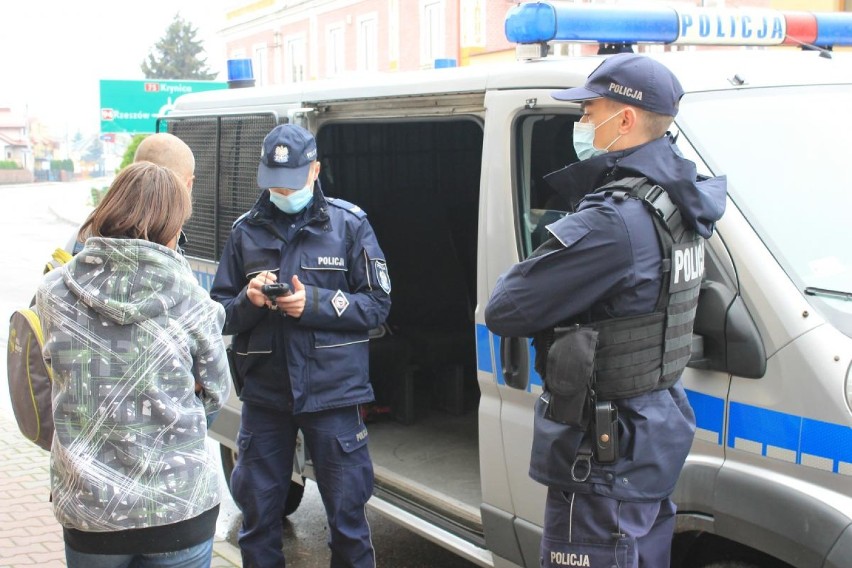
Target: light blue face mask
(584, 139)
(294, 202)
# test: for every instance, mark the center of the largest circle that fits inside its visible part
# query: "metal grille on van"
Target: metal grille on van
(225, 188)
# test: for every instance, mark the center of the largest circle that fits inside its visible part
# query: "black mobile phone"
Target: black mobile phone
(272, 291)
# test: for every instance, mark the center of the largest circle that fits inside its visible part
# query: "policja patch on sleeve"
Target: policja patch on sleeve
(339, 302)
(382, 275)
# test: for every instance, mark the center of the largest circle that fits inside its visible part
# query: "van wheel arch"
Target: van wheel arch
(697, 549)
(294, 495)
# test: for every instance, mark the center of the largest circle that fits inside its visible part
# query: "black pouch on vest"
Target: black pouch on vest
(569, 373)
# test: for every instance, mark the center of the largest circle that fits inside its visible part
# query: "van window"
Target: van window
(542, 145)
(788, 177)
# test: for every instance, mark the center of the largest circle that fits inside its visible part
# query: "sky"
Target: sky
(53, 53)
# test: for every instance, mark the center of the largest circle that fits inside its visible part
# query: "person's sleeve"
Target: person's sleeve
(367, 302)
(588, 258)
(229, 289)
(210, 366)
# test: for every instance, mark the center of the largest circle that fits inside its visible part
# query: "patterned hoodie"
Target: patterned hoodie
(128, 333)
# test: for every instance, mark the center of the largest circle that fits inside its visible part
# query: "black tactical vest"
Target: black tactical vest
(638, 354)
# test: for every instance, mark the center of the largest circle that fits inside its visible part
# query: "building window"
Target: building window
(259, 65)
(393, 34)
(335, 62)
(295, 62)
(368, 43)
(432, 32)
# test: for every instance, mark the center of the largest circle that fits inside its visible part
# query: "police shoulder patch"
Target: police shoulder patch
(382, 276)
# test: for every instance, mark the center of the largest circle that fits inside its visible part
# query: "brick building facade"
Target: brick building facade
(298, 40)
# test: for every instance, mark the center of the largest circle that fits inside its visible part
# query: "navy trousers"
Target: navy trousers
(337, 443)
(582, 529)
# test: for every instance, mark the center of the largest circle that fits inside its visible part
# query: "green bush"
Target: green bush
(98, 194)
(129, 154)
(9, 165)
(62, 165)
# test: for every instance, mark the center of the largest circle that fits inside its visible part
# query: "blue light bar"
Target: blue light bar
(833, 28)
(531, 23)
(240, 73)
(542, 22)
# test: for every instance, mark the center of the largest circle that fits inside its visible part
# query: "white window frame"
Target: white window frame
(433, 32)
(335, 45)
(393, 33)
(367, 49)
(260, 63)
(295, 58)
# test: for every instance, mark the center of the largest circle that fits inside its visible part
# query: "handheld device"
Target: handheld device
(272, 291)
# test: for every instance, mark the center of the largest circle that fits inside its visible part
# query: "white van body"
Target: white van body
(769, 480)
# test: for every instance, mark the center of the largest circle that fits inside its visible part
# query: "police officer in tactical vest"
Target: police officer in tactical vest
(610, 301)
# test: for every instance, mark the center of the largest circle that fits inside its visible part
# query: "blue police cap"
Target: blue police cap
(285, 158)
(631, 79)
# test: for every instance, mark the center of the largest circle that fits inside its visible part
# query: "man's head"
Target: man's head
(631, 99)
(169, 151)
(288, 159)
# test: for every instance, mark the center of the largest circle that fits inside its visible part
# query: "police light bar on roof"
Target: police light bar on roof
(541, 22)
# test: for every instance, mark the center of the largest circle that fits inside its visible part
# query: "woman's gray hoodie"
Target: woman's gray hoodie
(129, 333)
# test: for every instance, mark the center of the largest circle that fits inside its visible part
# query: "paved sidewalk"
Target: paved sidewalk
(29, 534)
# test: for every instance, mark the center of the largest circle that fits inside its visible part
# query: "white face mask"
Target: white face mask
(584, 139)
(296, 201)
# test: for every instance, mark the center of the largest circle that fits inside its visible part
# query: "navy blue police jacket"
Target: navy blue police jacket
(604, 261)
(319, 360)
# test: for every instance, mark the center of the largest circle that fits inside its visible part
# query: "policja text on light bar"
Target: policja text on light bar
(541, 22)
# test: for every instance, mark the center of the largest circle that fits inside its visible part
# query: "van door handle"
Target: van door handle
(515, 356)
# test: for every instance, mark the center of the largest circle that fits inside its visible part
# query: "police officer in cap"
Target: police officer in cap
(301, 353)
(610, 302)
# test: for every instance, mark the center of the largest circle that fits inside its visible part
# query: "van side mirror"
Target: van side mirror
(731, 341)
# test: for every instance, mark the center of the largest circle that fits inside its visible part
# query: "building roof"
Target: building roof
(13, 140)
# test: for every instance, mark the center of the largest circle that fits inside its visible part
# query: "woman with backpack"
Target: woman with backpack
(139, 365)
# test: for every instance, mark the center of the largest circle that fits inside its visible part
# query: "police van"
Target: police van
(448, 165)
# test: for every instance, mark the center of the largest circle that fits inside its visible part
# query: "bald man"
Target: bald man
(169, 151)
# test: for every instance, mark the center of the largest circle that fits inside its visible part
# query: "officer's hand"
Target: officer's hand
(294, 304)
(254, 292)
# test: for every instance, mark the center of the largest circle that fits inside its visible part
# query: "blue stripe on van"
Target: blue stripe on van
(813, 439)
(498, 358)
(204, 278)
(709, 412)
(763, 426)
(483, 350)
(799, 436)
(827, 440)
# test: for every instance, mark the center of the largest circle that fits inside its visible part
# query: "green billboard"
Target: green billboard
(133, 106)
